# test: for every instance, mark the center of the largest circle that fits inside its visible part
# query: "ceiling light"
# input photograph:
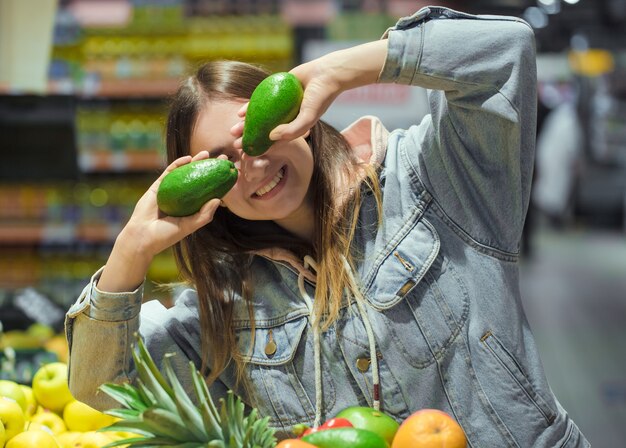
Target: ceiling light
(536, 17)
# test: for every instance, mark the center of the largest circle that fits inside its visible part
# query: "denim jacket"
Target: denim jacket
(439, 276)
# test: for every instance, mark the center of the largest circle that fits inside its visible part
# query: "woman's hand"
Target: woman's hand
(157, 231)
(324, 79)
(149, 232)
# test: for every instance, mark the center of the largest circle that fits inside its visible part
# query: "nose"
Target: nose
(253, 168)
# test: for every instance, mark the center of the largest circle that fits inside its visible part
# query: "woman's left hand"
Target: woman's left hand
(324, 79)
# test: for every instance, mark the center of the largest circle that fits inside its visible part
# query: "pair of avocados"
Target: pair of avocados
(183, 191)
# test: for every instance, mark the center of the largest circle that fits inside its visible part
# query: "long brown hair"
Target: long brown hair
(215, 258)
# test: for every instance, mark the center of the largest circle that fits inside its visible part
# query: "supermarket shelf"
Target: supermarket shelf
(122, 88)
(127, 161)
(26, 233)
(134, 88)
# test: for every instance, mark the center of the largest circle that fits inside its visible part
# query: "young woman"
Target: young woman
(363, 268)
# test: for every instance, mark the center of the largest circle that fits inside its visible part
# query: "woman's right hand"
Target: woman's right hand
(326, 77)
(149, 232)
(154, 231)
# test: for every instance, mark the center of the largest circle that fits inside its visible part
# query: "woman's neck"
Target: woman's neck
(300, 223)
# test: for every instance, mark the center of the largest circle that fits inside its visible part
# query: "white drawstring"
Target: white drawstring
(360, 300)
(308, 261)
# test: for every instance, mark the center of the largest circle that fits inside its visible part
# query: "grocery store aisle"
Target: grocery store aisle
(574, 290)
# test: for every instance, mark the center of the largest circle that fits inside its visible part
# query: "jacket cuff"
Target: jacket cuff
(404, 49)
(107, 306)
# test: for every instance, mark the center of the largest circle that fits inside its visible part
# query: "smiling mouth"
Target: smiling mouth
(272, 184)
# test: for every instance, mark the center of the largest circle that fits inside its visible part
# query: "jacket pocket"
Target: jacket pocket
(280, 368)
(515, 372)
(423, 302)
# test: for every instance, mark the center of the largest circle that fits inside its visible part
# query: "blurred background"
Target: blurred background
(84, 86)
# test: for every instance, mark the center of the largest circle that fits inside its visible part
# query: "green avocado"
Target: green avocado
(185, 189)
(276, 100)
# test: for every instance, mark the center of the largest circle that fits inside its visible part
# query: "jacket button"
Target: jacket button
(363, 364)
(270, 348)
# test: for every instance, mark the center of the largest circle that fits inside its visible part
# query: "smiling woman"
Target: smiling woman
(286, 169)
(355, 268)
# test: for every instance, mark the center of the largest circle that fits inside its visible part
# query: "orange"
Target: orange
(429, 428)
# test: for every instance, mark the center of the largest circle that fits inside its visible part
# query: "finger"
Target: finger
(222, 157)
(171, 167)
(201, 155)
(204, 216)
(242, 112)
(297, 128)
(237, 129)
(238, 143)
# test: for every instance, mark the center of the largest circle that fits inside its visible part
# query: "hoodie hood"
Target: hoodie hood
(368, 139)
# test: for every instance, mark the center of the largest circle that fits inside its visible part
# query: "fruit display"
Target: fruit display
(157, 411)
(276, 100)
(45, 415)
(160, 413)
(185, 189)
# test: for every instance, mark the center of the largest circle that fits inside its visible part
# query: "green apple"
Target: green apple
(29, 439)
(369, 418)
(50, 420)
(12, 417)
(12, 390)
(40, 331)
(3, 434)
(68, 439)
(50, 386)
(79, 416)
(31, 403)
(92, 439)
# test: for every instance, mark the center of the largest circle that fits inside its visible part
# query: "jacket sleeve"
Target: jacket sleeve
(101, 327)
(474, 152)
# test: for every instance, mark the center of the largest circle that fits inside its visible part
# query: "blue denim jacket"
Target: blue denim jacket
(439, 276)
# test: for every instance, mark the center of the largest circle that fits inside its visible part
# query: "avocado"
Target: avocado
(185, 189)
(276, 100)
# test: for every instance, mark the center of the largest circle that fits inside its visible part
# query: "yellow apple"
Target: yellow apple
(12, 417)
(68, 439)
(31, 403)
(79, 416)
(92, 439)
(31, 439)
(41, 331)
(3, 434)
(50, 386)
(12, 390)
(51, 420)
(58, 345)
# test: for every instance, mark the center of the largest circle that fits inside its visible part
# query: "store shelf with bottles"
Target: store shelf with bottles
(61, 272)
(150, 55)
(66, 213)
(120, 136)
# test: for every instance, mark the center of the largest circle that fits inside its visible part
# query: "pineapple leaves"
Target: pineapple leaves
(126, 395)
(157, 411)
(184, 404)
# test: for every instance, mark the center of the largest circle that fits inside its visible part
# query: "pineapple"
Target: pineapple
(159, 412)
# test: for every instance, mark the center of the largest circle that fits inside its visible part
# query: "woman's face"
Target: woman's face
(272, 186)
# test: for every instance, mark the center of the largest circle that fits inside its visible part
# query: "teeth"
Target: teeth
(269, 187)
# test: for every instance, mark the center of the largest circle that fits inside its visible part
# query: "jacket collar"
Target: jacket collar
(368, 138)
